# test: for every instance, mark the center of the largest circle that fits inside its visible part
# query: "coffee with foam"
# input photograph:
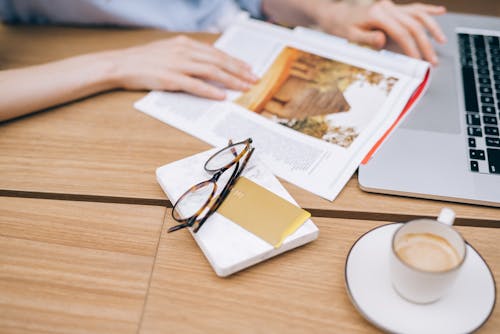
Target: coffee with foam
(427, 252)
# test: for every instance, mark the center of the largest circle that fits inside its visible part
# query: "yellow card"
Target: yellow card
(262, 212)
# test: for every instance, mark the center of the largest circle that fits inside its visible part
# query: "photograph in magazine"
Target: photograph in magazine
(317, 96)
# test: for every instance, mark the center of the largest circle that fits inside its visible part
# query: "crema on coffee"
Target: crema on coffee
(426, 251)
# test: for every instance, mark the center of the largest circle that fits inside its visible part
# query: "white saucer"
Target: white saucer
(464, 309)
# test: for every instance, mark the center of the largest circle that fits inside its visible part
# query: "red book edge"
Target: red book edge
(407, 107)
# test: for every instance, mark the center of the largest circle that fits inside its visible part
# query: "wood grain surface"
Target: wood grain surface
(73, 267)
(302, 291)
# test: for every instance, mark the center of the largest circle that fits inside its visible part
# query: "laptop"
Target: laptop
(448, 146)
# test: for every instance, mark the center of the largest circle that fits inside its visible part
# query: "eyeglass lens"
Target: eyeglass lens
(197, 202)
(225, 157)
(189, 205)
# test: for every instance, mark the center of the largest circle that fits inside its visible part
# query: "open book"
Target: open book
(320, 108)
(228, 246)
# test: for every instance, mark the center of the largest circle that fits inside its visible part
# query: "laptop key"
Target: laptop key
(478, 41)
(488, 109)
(473, 119)
(472, 142)
(477, 154)
(487, 99)
(481, 59)
(484, 81)
(493, 141)
(482, 64)
(474, 132)
(469, 88)
(494, 160)
(464, 38)
(485, 90)
(480, 52)
(492, 40)
(466, 61)
(474, 166)
(491, 131)
(489, 120)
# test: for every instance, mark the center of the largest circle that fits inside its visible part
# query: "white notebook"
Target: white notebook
(227, 246)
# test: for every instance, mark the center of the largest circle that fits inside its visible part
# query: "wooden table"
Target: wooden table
(81, 217)
(80, 267)
(75, 267)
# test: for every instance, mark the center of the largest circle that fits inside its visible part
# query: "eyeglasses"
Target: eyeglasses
(199, 202)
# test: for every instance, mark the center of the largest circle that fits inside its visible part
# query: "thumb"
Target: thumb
(374, 38)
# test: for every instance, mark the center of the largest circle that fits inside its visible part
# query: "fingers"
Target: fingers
(181, 64)
(408, 26)
(422, 40)
(418, 33)
(430, 9)
(195, 60)
(213, 73)
(418, 21)
(209, 54)
(208, 63)
(432, 26)
(194, 86)
(373, 38)
(397, 31)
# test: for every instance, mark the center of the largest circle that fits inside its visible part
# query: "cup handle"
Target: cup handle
(446, 216)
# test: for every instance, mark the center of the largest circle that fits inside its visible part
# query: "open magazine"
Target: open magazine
(320, 106)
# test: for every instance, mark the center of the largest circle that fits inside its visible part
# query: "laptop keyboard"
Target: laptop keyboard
(480, 65)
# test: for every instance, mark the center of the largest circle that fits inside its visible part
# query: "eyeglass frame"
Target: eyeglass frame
(212, 204)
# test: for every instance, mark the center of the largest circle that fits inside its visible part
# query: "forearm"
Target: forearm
(294, 12)
(38, 87)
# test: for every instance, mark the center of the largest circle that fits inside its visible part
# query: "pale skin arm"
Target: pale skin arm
(371, 25)
(176, 64)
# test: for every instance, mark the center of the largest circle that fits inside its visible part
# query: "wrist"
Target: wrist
(316, 11)
(101, 72)
(108, 74)
(298, 12)
(330, 17)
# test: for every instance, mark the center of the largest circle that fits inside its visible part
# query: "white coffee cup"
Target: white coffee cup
(426, 257)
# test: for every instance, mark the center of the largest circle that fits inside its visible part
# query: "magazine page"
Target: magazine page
(313, 115)
(382, 58)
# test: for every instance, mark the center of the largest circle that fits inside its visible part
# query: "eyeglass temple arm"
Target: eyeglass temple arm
(233, 151)
(177, 227)
(181, 226)
(218, 200)
(226, 191)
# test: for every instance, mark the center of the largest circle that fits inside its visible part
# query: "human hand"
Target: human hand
(371, 24)
(180, 64)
